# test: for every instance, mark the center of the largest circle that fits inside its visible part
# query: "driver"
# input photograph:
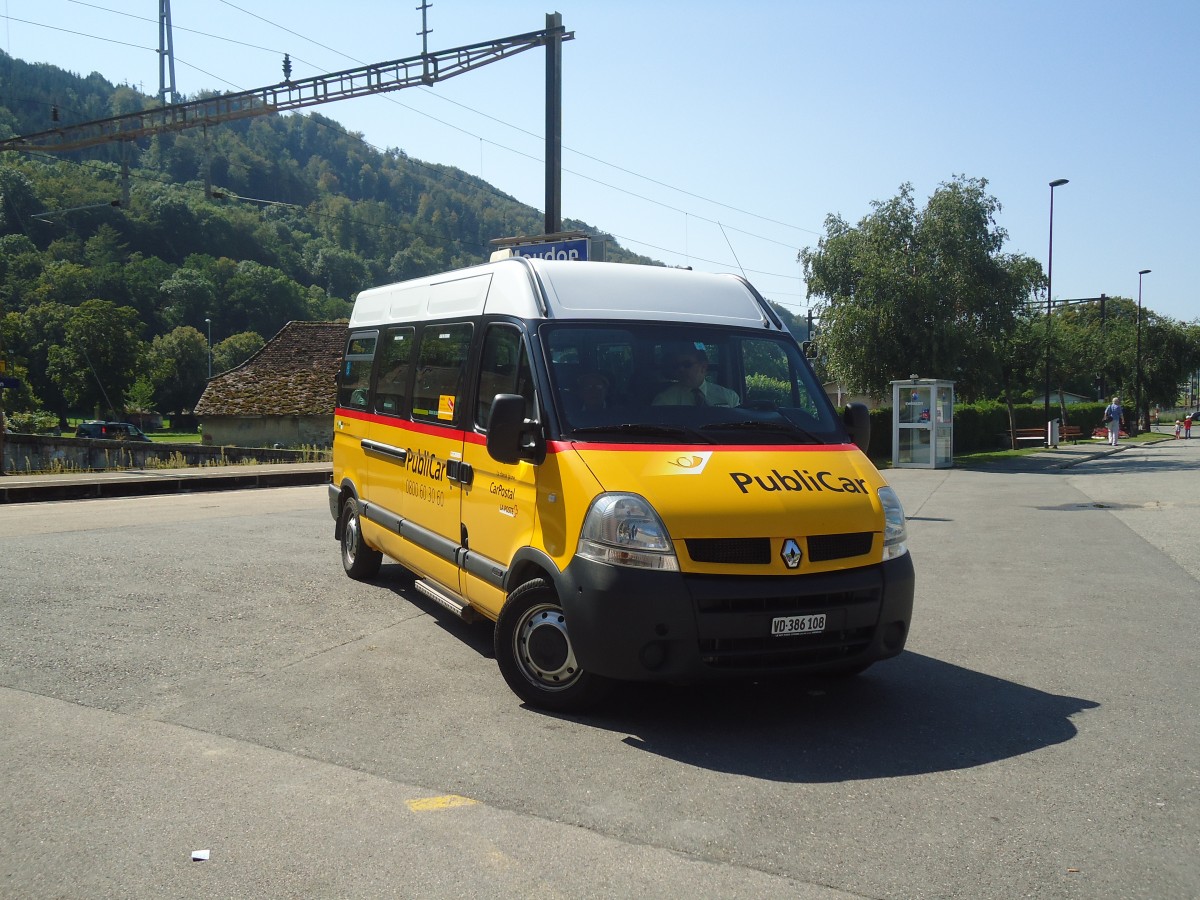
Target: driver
(691, 387)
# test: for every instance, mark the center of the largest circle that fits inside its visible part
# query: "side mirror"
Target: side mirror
(511, 437)
(857, 419)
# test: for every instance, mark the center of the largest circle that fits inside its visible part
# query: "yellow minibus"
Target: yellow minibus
(631, 471)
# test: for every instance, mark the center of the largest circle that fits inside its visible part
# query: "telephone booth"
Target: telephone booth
(922, 423)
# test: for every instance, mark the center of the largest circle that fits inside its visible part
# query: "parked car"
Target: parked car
(110, 431)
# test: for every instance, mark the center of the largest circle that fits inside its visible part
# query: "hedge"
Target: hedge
(984, 426)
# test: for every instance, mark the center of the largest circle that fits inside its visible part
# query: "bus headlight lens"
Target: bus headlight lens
(895, 534)
(624, 530)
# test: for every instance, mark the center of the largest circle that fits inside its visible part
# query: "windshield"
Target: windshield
(650, 382)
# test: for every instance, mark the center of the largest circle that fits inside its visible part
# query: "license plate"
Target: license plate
(787, 625)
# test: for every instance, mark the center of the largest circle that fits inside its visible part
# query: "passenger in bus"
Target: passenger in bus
(692, 388)
(592, 391)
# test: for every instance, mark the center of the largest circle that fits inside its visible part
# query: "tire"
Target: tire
(534, 652)
(360, 561)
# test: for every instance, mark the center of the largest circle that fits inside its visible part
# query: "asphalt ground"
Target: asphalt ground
(196, 673)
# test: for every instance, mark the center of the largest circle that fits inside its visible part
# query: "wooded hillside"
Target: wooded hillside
(249, 224)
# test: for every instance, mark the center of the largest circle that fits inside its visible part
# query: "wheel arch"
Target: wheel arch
(345, 491)
(530, 563)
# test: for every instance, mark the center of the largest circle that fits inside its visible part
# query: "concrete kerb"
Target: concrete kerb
(143, 482)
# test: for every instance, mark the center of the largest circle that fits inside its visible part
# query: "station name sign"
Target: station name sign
(575, 249)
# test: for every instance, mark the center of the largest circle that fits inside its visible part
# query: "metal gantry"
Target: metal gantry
(376, 78)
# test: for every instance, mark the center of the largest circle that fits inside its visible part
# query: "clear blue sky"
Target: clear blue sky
(761, 116)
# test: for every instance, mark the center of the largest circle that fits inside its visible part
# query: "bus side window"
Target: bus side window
(391, 388)
(355, 377)
(441, 360)
(504, 369)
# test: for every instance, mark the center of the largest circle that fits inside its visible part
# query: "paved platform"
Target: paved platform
(141, 482)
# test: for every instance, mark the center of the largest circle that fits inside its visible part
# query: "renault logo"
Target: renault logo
(791, 553)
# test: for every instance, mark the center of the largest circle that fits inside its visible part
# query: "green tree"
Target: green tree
(261, 299)
(320, 307)
(30, 336)
(188, 297)
(18, 200)
(1169, 357)
(340, 272)
(143, 276)
(178, 363)
(140, 397)
(98, 359)
(20, 267)
(415, 260)
(65, 282)
(105, 247)
(920, 291)
(235, 350)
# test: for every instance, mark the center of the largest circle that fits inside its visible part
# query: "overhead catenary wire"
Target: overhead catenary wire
(481, 138)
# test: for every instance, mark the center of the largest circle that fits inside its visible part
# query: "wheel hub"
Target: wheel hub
(544, 649)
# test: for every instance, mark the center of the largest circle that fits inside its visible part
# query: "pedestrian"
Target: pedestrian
(1112, 418)
(1178, 429)
(1187, 426)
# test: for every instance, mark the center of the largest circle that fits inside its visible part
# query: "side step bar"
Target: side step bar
(452, 602)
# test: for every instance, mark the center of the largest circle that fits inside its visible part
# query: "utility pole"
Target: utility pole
(424, 35)
(166, 53)
(555, 37)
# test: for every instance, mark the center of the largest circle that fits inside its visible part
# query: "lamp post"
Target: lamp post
(1137, 403)
(1058, 182)
(208, 322)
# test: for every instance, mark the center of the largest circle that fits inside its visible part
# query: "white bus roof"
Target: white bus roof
(553, 289)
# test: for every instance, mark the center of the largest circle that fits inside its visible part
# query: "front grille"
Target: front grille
(730, 551)
(734, 629)
(786, 604)
(784, 653)
(756, 551)
(824, 547)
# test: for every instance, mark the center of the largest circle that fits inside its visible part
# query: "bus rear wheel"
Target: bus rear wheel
(360, 561)
(535, 655)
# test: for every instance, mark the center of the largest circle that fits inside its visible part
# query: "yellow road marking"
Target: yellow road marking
(447, 801)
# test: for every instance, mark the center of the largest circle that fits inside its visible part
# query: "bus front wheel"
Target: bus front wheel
(535, 655)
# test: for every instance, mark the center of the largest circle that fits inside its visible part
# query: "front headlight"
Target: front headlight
(624, 530)
(895, 534)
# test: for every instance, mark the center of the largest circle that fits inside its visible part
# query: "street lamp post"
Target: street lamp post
(1137, 403)
(1059, 182)
(208, 322)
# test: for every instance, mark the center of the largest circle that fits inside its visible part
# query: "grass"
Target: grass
(175, 437)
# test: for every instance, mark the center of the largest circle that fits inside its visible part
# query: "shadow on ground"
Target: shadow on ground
(911, 715)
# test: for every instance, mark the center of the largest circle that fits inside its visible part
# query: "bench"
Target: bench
(1026, 435)
(1070, 433)
(1038, 435)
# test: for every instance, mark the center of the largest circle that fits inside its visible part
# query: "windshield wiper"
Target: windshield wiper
(753, 425)
(640, 428)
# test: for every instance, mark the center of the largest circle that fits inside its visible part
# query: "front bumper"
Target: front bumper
(657, 626)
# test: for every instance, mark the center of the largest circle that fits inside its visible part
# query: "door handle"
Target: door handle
(463, 473)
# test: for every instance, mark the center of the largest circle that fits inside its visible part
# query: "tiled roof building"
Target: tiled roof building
(283, 395)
